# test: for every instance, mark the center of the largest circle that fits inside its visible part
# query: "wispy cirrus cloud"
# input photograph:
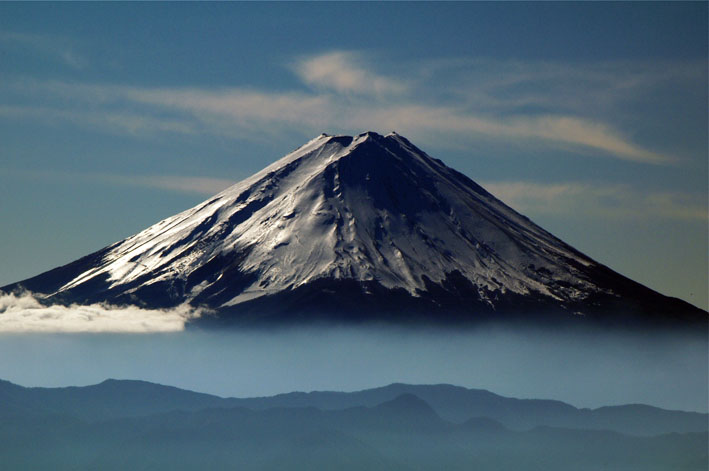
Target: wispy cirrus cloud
(579, 88)
(600, 200)
(57, 48)
(199, 185)
(345, 72)
(348, 96)
(553, 130)
(225, 111)
(228, 111)
(121, 122)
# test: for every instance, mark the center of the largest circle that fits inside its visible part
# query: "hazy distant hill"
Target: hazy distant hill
(404, 433)
(114, 399)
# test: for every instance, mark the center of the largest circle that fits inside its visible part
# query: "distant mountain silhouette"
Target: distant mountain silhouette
(107, 400)
(113, 399)
(404, 433)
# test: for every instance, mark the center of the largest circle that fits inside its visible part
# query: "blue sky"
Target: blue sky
(590, 118)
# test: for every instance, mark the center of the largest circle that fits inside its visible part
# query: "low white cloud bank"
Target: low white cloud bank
(25, 314)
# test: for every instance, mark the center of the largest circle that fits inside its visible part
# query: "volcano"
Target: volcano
(354, 229)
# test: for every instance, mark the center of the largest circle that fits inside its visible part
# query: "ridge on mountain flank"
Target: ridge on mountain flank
(365, 227)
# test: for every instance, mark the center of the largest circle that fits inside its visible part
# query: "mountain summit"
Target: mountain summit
(356, 228)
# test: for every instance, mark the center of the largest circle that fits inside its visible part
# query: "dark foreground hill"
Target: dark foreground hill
(118, 425)
(354, 229)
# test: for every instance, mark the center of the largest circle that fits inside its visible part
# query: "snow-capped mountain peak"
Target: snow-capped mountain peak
(366, 218)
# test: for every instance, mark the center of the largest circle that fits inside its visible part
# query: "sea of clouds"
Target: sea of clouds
(24, 313)
(58, 345)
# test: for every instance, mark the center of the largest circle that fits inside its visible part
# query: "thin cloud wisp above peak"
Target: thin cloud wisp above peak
(346, 96)
(581, 88)
(344, 72)
(581, 135)
(584, 133)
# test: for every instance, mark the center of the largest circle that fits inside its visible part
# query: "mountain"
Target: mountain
(363, 228)
(107, 400)
(458, 404)
(117, 399)
(402, 433)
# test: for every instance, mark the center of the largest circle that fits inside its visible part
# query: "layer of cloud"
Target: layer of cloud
(55, 47)
(599, 200)
(552, 105)
(586, 89)
(229, 111)
(344, 72)
(199, 185)
(112, 121)
(553, 130)
(25, 314)
(191, 185)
